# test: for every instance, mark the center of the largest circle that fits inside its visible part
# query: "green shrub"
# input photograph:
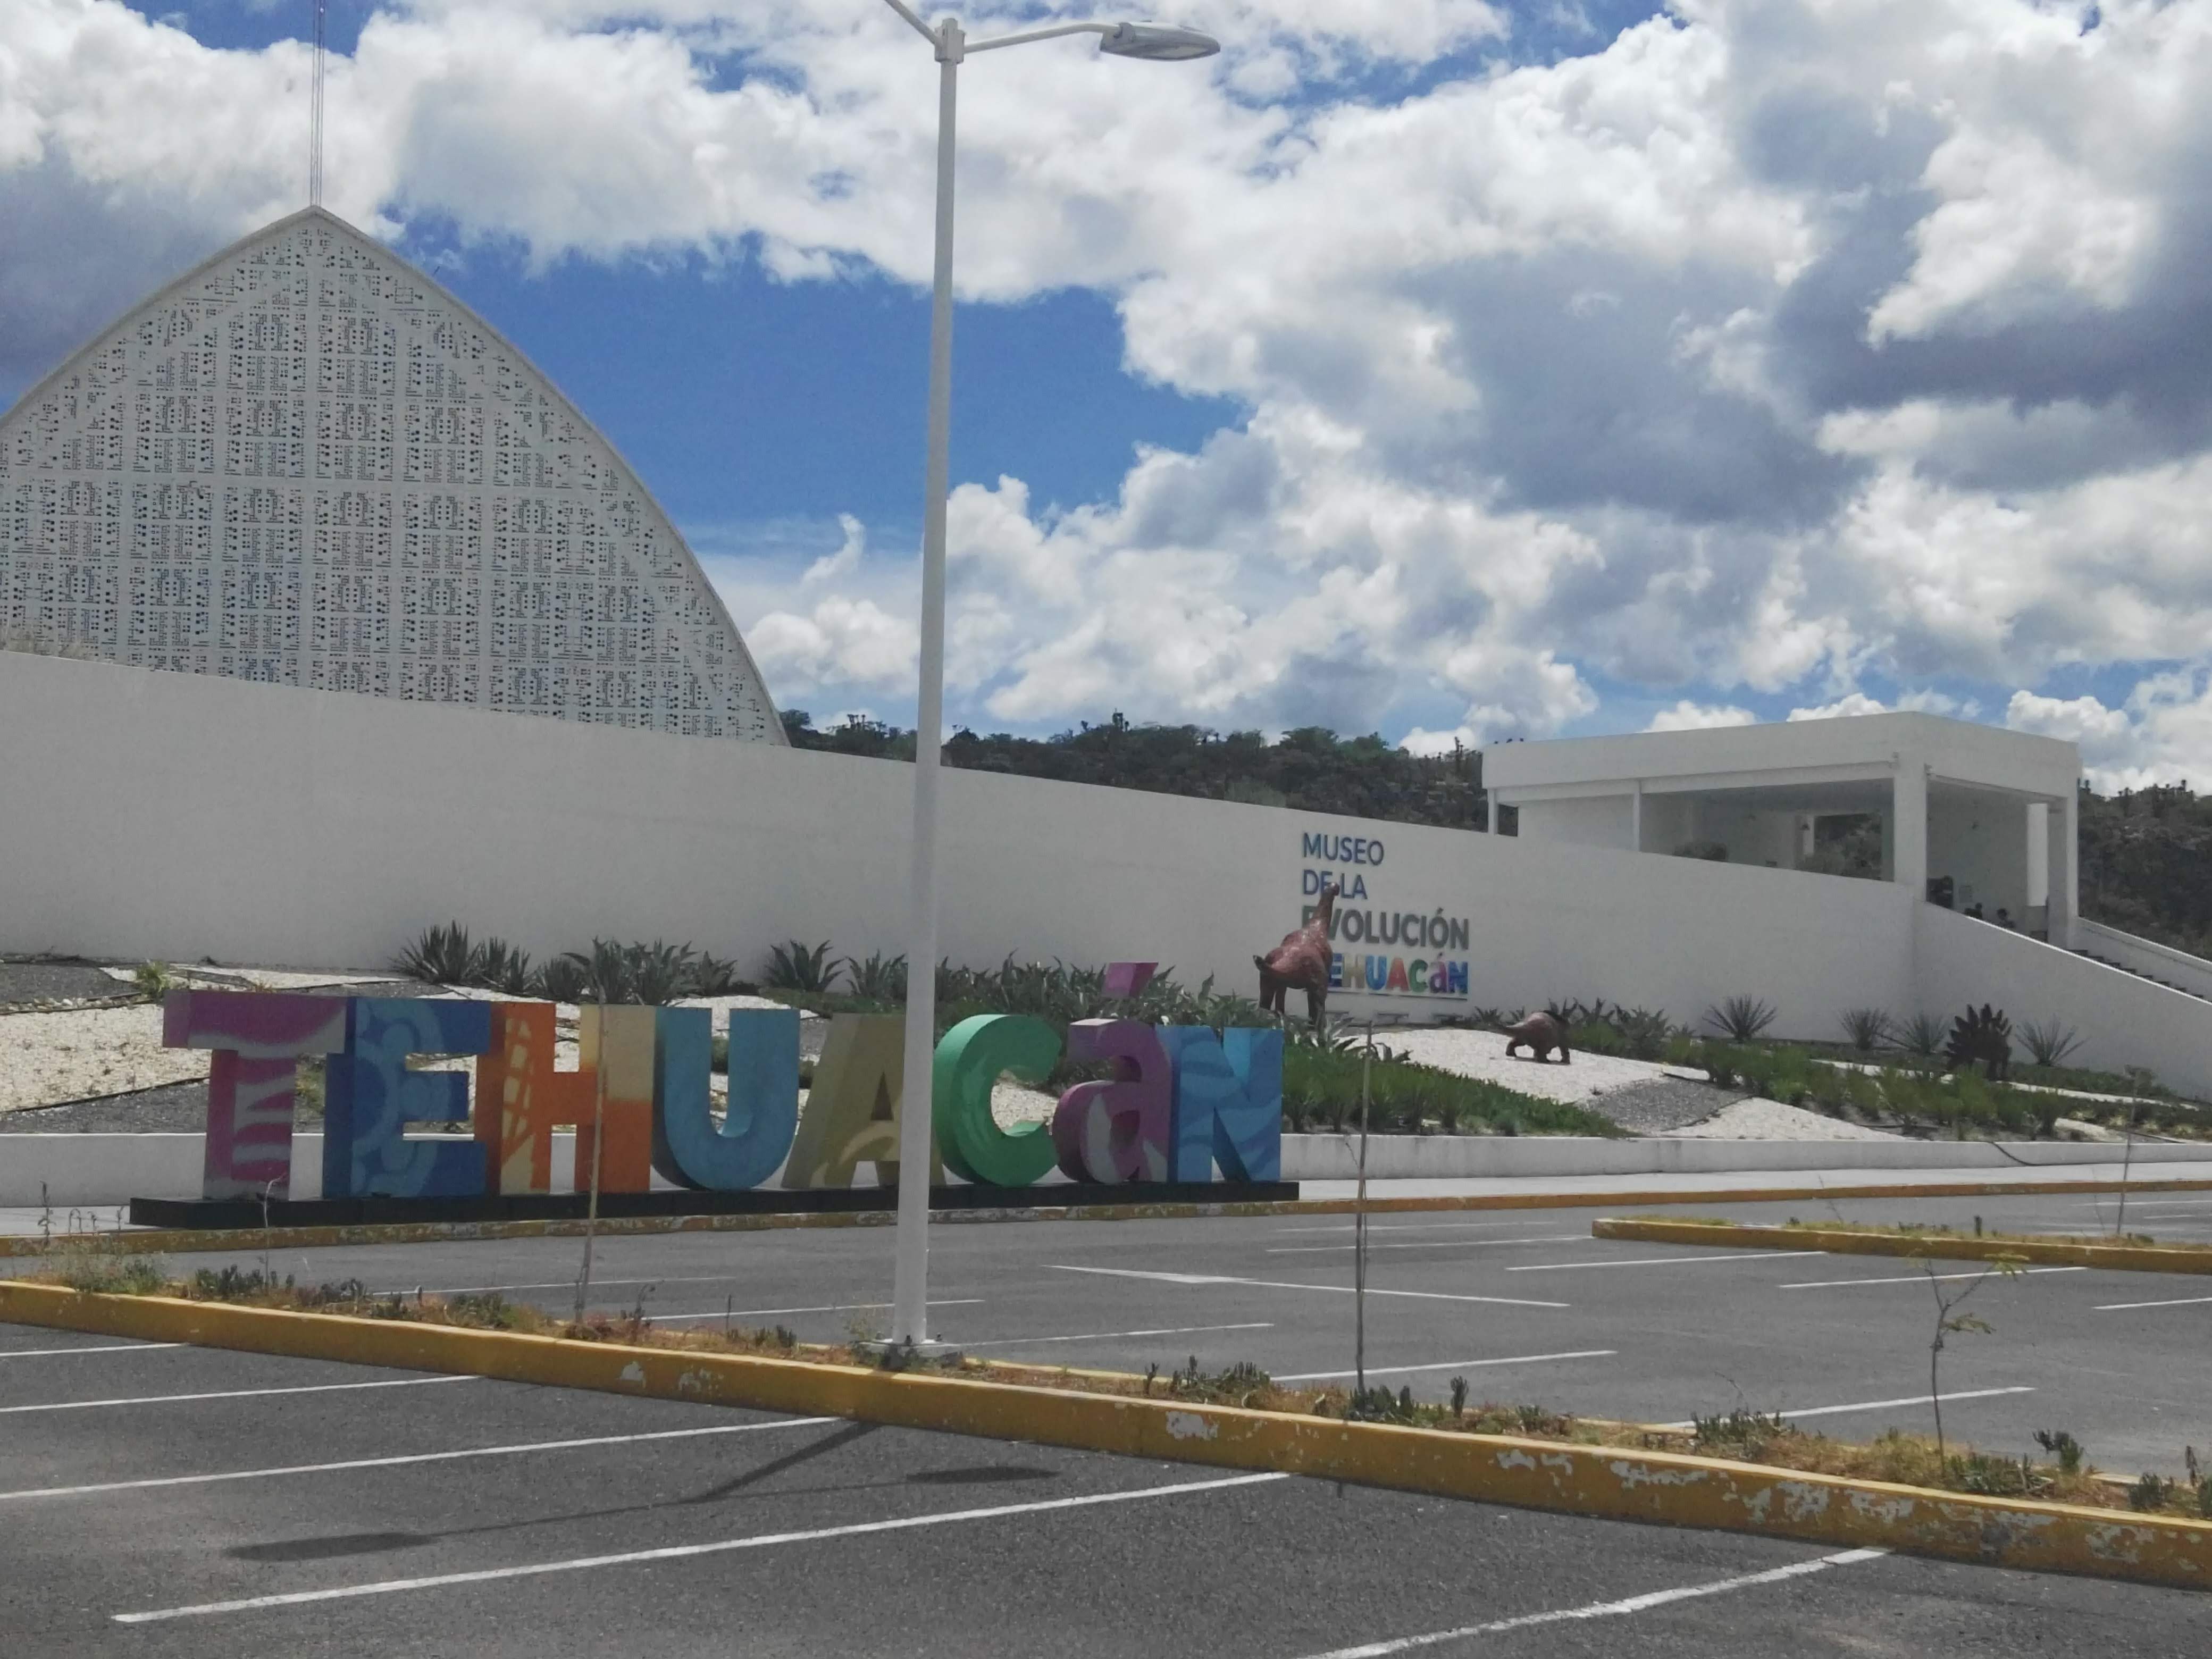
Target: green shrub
(1868, 1029)
(1741, 1019)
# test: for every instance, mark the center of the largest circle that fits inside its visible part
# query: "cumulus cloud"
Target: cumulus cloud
(1688, 716)
(1811, 351)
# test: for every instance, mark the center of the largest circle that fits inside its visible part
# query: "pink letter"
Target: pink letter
(1118, 1130)
(258, 1038)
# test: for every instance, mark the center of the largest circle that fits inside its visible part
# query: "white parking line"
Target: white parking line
(1419, 1227)
(2177, 1302)
(1915, 1279)
(1105, 1336)
(826, 1307)
(1663, 1261)
(401, 1462)
(1278, 1285)
(105, 1347)
(233, 1394)
(685, 1552)
(1431, 1244)
(558, 1285)
(1603, 1609)
(1876, 1405)
(1452, 1365)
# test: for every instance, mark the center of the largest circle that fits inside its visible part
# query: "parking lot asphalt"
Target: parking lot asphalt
(388, 1513)
(177, 1502)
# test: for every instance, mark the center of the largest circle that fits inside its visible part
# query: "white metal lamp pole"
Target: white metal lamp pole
(910, 1287)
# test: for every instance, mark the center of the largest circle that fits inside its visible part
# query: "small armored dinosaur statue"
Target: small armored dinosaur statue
(1300, 961)
(1981, 1034)
(1540, 1033)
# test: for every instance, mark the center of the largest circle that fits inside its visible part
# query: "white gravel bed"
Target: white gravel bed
(1482, 1054)
(48, 1058)
(1769, 1119)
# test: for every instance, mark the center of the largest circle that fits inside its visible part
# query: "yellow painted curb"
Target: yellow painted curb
(1669, 1488)
(184, 1241)
(1948, 1247)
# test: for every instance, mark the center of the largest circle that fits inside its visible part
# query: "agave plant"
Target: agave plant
(879, 979)
(2049, 1040)
(713, 977)
(1868, 1028)
(441, 955)
(792, 966)
(500, 967)
(659, 973)
(1741, 1019)
(565, 979)
(1922, 1034)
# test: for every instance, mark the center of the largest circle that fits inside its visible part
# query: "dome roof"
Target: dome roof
(307, 463)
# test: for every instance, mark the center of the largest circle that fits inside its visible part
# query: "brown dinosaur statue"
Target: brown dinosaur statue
(1540, 1033)
(1301, 960)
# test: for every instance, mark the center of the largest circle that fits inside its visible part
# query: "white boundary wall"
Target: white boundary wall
(178, 817)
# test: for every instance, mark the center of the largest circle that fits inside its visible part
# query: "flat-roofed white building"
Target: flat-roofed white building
(1982, 819)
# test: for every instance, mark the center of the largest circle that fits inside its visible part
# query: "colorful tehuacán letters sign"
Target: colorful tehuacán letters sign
(1179, 1102)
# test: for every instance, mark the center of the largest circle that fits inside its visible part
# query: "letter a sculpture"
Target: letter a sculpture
(1301, 961)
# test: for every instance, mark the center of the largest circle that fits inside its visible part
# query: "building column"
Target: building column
(1490, 806)
(2064, 829)
(1636, 817)
(1909, 834)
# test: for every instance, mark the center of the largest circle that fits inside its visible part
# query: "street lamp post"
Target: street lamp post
(1153, 41)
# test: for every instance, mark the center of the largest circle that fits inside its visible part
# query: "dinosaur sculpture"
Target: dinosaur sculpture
(1301, 960)
(1540, 1033)
(1981, 1034)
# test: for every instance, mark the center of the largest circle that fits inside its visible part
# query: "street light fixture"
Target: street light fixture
(1153, 42)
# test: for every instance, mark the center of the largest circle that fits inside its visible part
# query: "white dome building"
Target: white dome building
(307, 463)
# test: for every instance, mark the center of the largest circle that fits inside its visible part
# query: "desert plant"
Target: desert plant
(500, 967)
(1868, 1028)
(564, 979)
(2150, 1493)
(659, 973)
(2061, 1446)
(1922, 1034)
(1644, 1032)
(713, 977)
(1741, 1019)
(2048, 1040)
(879, 979)
(604, 971)
(793, 967)
(440, 956)
(155, 980)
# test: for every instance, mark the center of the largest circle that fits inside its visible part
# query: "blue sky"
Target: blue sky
(1452, 370)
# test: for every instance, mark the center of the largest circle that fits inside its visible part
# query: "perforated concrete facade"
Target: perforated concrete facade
(306, 463)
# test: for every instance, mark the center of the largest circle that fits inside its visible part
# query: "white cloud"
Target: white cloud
(1688, 716)
(2161, 734)
(847, 559)
(1857, 702)
(843, 643)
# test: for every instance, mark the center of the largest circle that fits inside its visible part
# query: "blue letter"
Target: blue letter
(687, 1149)
(370, 1097)
(1228, 1103)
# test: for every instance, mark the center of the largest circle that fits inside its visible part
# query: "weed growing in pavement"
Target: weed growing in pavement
(2151, 1493)
(1950, 1322)
(98, 1268)
(2066, 1449)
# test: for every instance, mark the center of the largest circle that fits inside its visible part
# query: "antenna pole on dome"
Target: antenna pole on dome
(315, 109)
